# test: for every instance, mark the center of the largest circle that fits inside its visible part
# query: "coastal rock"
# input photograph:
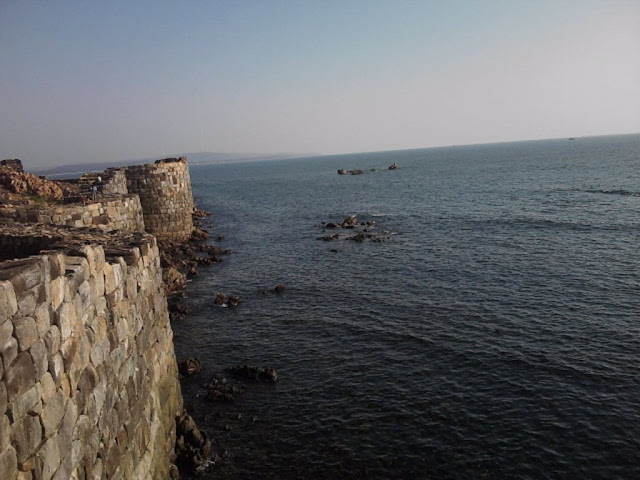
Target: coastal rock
(279, 288)
(224, 300)
(193, 448)
(363, 230)
(173, 279)
(189, 366)
(265, 374)
(28, 184)
(199, 234)
(349, 222)
(220, 390)
(179, 308)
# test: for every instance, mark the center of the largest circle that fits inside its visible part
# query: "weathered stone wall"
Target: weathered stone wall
(88, 380)
(166, 197)
(14, 163)
(114, 182)
(110, 213)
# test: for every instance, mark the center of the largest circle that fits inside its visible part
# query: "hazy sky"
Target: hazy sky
(91, 81)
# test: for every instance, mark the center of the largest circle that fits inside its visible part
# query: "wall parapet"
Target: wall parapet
(88, 377)
(122, 212)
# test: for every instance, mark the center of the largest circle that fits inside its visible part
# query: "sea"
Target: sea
(487, 327)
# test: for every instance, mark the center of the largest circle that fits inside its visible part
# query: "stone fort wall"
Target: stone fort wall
(166, 197)
(89, 385)
(121, 212)
(164, 189)
(88, 377)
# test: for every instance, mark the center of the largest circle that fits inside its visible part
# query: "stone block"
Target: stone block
(88, 380)
(68, 349)
(8, 301)
(38, 353)
(4, 400)
(26, 332)
(57, 265)
(43, 319)
(27, 403)
(112, 277)
(63, 472)
(97, 355)
(28, 299)
(26, 274)
(69, 422)
(25, 474)
(56, 368)
(58, 288)
(50, 458)
(77, 451)
(20, 375)
(9, 351)
(26, 436)
(53, 413)
(96, 471)
(6, 335)
(5, 432)
(47, 387)
(8, 464)
(84, 290)
(113, 459)
(66, 317)
(52, 340)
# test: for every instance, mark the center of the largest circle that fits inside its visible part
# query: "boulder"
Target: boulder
(28, 184)
(193, 448)
(349, 222)
(224, 300)
(189, 366)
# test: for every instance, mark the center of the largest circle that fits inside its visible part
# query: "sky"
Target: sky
(90, 81)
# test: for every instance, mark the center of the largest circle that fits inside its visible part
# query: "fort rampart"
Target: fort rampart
(113, 212)
(165, 194)
(88, 376)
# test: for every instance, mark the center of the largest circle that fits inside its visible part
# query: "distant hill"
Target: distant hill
(199, 158)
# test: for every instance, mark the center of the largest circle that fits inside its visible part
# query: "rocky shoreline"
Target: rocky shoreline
(196, 451)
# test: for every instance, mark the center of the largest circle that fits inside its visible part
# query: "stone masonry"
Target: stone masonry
(166, 197)
(88, 378)
(114, 212)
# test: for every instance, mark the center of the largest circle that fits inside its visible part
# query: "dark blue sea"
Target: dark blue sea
(494, 333)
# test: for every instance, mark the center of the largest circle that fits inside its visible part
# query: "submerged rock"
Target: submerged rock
(363, 230)
(265, 374)
(220, 390)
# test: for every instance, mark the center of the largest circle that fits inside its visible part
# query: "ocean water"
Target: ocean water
(494, 334)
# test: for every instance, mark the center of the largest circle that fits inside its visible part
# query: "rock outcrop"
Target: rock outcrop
(21, 183)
